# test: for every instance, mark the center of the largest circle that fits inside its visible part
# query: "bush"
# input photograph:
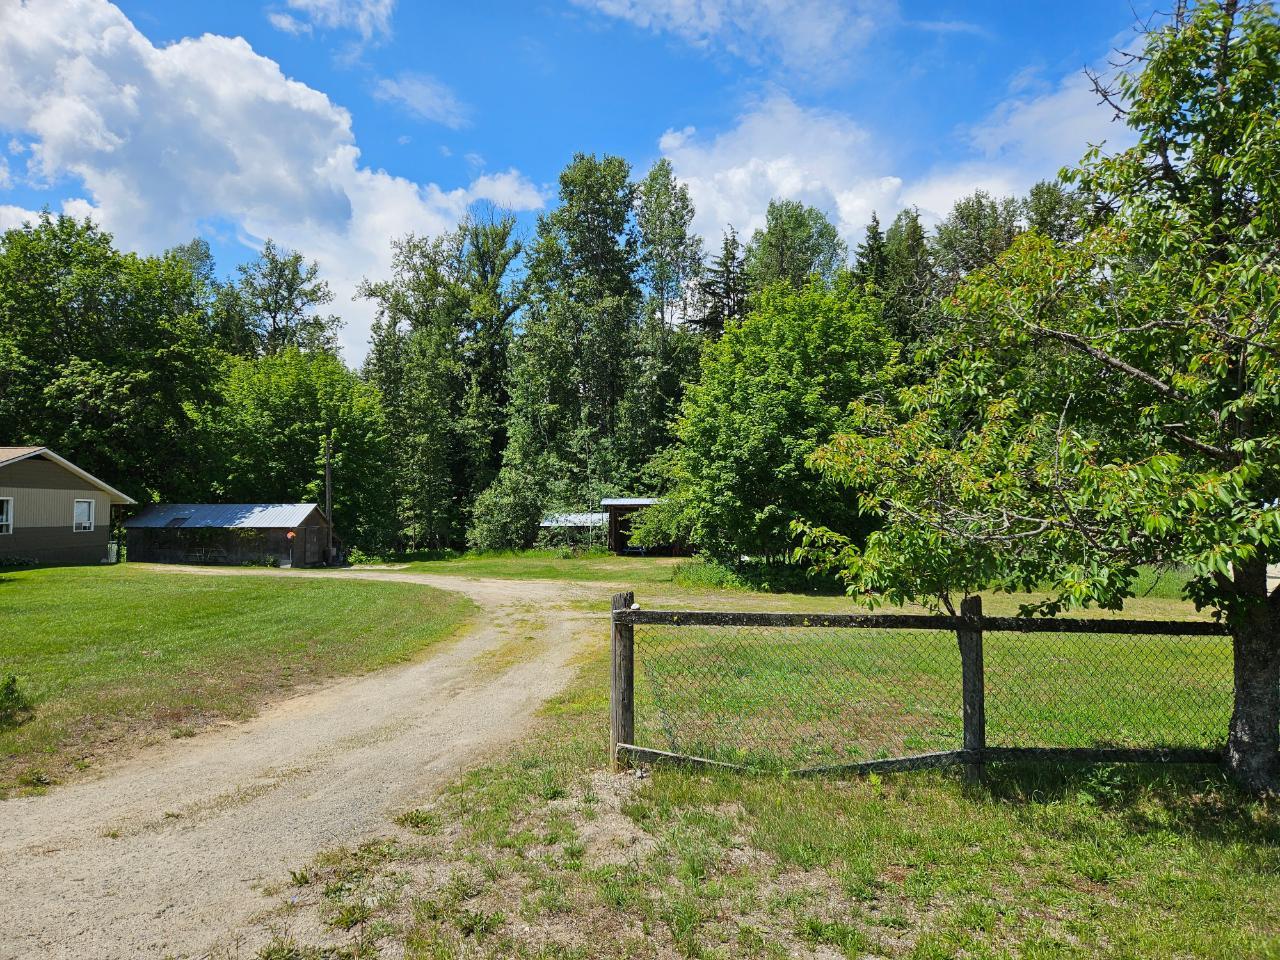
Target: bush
(506, 514)
(15, 705)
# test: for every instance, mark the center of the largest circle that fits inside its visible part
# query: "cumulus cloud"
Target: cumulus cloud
(423, 96)
(165, 138)
(803, 34)
(11, 216)
(778, 148)
(367, 18)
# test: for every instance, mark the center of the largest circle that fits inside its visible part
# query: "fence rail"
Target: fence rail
(813, 693)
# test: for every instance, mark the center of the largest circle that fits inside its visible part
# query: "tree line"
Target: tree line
(506, 377)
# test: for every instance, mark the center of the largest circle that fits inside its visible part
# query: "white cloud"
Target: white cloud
(165, 138)
(11, 216)
(779, 149)
(809, 35)
(424, 96)
(6, 177)
(288, 23)
(368, 18)
(824, 158)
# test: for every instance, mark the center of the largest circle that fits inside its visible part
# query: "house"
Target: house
(619, 510)
(272, 534)
(51, 511)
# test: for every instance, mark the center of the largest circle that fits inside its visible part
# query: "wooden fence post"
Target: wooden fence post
(974, 687)
(622, 704)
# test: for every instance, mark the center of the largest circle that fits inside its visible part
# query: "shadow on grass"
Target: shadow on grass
(1197, 799)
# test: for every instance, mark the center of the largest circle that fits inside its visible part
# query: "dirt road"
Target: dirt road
(166, 853)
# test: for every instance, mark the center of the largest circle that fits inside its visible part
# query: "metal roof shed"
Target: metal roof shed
(271, 534)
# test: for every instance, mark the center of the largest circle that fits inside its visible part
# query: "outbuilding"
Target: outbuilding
(271, 534)
(619, 511)
(51, 511)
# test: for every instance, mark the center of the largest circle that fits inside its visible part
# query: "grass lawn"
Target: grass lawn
(114, 655)
(542, 853)
(552, 565)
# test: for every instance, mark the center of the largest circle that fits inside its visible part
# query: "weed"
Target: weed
(424, 821)
(15, 704)
(833, 933)
(474, 923)
(351, 915)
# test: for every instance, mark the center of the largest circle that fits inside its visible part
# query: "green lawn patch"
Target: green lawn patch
(549, 564)
(107, 656)
(542, 853)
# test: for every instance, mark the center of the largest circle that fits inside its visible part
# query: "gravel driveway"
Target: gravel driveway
(165, 854)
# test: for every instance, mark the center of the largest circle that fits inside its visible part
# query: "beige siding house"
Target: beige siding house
(51, 511)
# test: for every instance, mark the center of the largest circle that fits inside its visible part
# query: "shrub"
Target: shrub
(506, 514)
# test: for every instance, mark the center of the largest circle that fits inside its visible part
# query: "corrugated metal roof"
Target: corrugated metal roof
(243, 516)
(574, 520)
(629, 502)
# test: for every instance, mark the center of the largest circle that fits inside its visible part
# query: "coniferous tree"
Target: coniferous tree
(908, 295)
(870, 262)
(723, 291)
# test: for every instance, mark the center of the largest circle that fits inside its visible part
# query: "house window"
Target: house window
(83, 520)
(6, 515)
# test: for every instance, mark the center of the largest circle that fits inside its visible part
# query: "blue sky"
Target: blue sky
(335, 125)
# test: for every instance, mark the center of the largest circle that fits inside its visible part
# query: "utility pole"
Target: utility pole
(328, 496)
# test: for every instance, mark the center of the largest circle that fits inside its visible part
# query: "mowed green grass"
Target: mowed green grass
(552, 565)
(114, 655)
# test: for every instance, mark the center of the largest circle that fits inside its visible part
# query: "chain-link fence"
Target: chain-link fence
(786, 691)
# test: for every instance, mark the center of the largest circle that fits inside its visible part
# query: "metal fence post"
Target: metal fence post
(974, 687)
(622, 717)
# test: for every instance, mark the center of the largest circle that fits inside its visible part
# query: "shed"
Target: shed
(573, 521)
(52, 511)
(275, 534)
(619, 511)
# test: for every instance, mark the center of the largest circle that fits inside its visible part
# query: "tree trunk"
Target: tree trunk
(1253, 744)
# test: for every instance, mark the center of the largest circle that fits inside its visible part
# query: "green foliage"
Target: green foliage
(723, 290)
(908, 284)
(438, 356)
(797, 242)
(102, 354)
(275, 305)
(506, 514)
(1114, 400)
(267, 436)
(1111, 401)
(871, 260)
(15, 705)
(772, 389)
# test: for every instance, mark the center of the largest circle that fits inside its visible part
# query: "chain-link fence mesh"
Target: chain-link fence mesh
(1107, 690)
(796, 697)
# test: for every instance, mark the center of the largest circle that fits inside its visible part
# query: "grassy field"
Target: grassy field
(112, 656)
(543, 853)
(549, 565)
